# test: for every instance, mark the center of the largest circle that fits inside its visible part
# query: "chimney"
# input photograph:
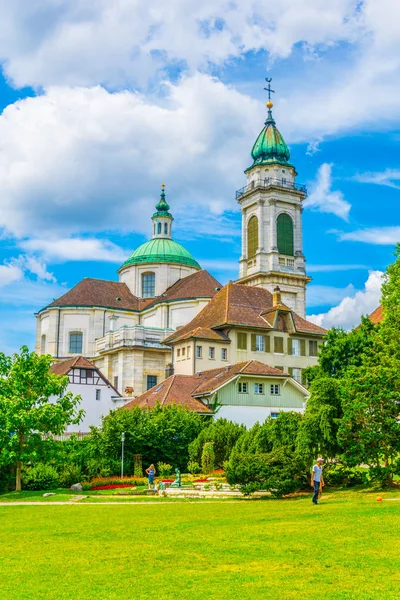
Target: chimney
(276, 296)
(129, 391)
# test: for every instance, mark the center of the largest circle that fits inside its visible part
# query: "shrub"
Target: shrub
(164, 469)
(71, 474)
(40, 477)
(137, 465)
(223, 433)
(279, 472)
(208, 457)
(380, 475)
(339, 475)
(193, 467)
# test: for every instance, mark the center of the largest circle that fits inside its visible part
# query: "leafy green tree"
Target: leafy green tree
(390, 326)
(223, 433)
(33, 402)
(370, 427)
(319, 428)
(208, 458)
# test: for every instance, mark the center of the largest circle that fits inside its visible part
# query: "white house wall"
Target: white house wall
(249, 415)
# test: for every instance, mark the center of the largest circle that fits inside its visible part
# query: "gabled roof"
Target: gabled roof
(98, 292)
(240, 305)
(63, 367)
(175, 390)
(187, 390)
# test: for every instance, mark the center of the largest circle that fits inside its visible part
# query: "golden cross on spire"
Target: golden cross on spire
(270, 91)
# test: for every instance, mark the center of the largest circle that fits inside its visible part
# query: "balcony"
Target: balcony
(132, 336)
(270, 182)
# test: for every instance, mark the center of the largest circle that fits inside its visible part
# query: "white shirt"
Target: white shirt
(317, 472)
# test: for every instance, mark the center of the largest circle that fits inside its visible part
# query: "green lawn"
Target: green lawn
(347, 547)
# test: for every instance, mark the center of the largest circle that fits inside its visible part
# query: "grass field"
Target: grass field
(347, 547)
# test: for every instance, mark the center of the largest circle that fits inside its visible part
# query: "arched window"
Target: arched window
(165, 228)
(252, 237)
(148, 285)
(284, 231)
(159, 228)
(43, 344)
(75, 342)
(154, 229)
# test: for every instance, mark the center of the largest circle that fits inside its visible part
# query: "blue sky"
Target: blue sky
(102, 104)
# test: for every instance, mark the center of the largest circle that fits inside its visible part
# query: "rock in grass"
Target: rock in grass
(49, 494)
(76, 487)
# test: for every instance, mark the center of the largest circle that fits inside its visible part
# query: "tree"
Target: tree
(33, 402)
(208, 457)
(370, 427)
(223, 433)
(390, 326)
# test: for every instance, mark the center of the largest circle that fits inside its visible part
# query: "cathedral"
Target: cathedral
(167, 315)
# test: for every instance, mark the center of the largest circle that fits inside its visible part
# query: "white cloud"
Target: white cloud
(9, 273)
(219, 265)
(334, 268)
(37, 267)
(384, 236)
(323, 199)
(389, 178)
(74, 42)
(75, 249)
(81, 160)
(349, 311)
(322, 295)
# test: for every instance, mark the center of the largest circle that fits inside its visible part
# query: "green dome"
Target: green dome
(161, 250)
(270, 147)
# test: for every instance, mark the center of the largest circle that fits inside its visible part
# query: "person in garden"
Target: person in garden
(151, 471)
(317, 480)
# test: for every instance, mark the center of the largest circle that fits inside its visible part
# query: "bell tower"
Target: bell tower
(271, 207)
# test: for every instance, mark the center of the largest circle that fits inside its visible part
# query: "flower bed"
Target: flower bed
(99, 482)
(113, 486)
(203, 480)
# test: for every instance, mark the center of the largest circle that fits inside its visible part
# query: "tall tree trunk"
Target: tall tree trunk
(19, 464)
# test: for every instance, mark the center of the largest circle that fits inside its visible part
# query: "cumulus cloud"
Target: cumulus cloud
(9, 273)
(333, 268)
(75, 249)
(380, 236)
(323, 199)
(81, 160)
(74, 42)
(322, 295)
(348, 312)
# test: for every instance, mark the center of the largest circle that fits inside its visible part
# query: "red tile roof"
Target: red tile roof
(98, 292)
(116, 295)
(376, 316)
(186, 390)
(175, 390)
(63, 367)
(238, 304)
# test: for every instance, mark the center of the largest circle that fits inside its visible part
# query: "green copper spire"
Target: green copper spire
(162, 206)
(270, 147)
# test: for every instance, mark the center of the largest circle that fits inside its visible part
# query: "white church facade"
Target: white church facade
(166, 315)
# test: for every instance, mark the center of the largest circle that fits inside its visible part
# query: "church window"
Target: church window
(313, 348)
(242, 341)
(75, 343)
(151, 381)
(148, 285)
(252, 237)
(284, 230)
(165, 228)
(159, 228)
(43, 344)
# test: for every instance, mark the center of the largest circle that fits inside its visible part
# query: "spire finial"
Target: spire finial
(162, 206)
(270, 91)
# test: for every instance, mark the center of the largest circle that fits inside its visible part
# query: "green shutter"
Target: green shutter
(267, 343)
(284, 231)
(278, 345)
(242, 341)
(290, 371)
(290, 346)
(252, 237)
(253, 342)
(302, 347)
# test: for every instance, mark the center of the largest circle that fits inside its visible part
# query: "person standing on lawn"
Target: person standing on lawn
(317, 480)
(151, 471)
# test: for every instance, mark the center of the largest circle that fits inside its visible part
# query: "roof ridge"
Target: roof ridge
(245, 366)
(227, 302)
(167, 390)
